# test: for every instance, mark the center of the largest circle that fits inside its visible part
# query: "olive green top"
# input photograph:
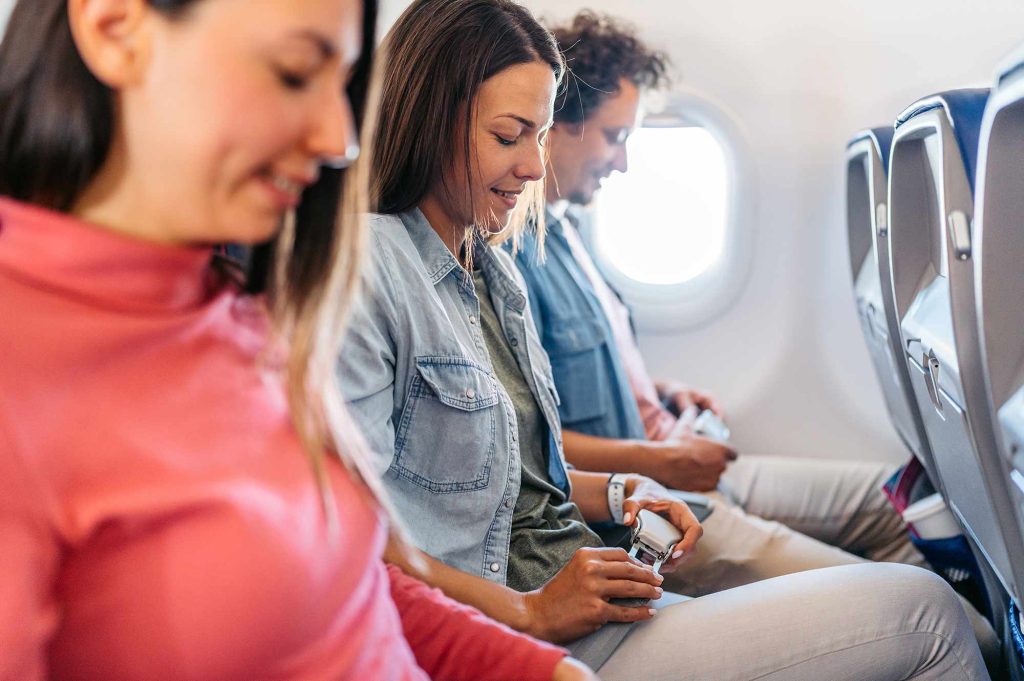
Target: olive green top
(547, 528)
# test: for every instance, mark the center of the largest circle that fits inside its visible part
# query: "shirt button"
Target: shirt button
(514, 342)
(495, 567)
(472, 319)
(508, 503)
(470, 393)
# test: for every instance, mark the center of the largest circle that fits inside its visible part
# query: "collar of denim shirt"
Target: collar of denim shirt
(439, 261)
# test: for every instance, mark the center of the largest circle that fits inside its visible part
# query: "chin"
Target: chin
(581, 198)
(254, 230)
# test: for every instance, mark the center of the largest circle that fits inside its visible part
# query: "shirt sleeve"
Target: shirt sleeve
(453, 641)
(28, 563)
(366, 363)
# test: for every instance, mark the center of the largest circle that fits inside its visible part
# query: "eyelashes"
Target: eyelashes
(293, 81)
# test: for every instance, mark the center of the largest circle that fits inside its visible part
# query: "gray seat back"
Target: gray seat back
(999, 276)
(867, 169)
(931, 208)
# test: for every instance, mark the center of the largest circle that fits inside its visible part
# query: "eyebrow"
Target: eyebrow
(525, 121)
(326, 47)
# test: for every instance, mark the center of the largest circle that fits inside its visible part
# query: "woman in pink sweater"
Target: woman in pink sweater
(167, 508)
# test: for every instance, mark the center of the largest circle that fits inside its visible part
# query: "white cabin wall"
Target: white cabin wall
(5, 12)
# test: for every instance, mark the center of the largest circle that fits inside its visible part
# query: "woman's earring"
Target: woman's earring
(343, 161)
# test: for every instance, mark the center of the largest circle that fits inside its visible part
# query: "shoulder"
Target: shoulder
(390, 251)
(388, 234)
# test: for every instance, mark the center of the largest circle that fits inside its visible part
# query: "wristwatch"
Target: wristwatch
(616, 495)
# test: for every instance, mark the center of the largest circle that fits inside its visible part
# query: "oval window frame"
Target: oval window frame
(700, 300)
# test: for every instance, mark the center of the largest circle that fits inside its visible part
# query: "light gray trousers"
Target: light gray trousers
(778, 515)
(869, 622)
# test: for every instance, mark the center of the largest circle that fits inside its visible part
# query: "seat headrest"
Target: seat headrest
(881, 137)
(1011, 66)
(964, 110)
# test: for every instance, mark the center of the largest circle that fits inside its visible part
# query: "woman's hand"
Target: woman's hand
(570, 669)
(575, 602)
(642, 493)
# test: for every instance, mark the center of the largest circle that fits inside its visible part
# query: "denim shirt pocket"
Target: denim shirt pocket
(446, 436)
(576, 349)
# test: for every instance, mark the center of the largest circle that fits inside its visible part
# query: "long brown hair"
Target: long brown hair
(439, 53)
(56, 127)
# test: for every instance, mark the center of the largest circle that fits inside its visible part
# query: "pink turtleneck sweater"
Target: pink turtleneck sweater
(157, 517)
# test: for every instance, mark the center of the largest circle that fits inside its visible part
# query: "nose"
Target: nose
(332, 135)
(620, 160)
(531, 165)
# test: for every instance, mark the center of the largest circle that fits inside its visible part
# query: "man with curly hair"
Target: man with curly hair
(773, 515)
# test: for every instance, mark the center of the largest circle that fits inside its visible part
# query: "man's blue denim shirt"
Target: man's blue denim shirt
(596, 397)
(419, 381)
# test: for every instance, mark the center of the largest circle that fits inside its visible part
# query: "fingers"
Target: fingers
(629, 510)
(621, 613)
(716, 448)
(610, 554)
(625, 588)
(638, 573)
(682, 401)
(708, 402)
(683, 518)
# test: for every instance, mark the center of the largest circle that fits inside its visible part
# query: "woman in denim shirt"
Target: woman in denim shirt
(444, 371)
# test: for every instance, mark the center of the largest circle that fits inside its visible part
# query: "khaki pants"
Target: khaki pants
(777, 515)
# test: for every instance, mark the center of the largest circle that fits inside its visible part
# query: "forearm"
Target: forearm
(494, 600)
(453, 640)
(590, 453)
(590, 493)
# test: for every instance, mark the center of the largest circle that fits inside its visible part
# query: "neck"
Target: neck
(453, 236)
(111, 202)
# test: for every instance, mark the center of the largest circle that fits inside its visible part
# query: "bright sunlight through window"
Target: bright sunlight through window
(663, 222)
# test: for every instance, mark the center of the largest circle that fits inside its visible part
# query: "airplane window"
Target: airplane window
(664, 221)
(673, 233)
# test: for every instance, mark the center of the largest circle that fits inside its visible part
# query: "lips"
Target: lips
(284, 190)
(509, 198)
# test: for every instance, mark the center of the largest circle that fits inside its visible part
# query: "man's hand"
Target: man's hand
(681, 397)
(575, 602)
(570, 669)
(642, 493)
(690, 463)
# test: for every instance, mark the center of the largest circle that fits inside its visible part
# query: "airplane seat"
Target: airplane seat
(998, 247)
(867, 170)
(931, 206)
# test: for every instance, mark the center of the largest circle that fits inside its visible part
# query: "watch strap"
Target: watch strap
(616, 495)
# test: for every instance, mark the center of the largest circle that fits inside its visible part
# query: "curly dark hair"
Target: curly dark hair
(599, 52)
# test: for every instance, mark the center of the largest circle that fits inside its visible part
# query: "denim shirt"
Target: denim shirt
(596, 397)
(419, 381)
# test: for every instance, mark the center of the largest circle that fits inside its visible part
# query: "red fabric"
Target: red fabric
(453, 642)
(158, 518)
